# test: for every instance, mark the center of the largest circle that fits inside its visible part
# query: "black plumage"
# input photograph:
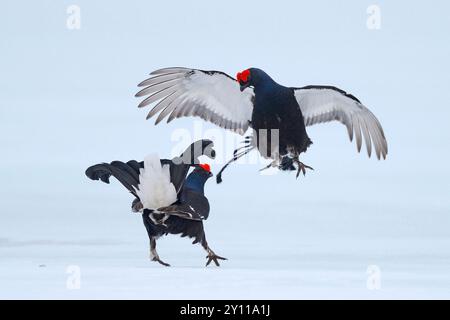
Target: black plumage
(185, 215)
(278, 124)
(275, 107)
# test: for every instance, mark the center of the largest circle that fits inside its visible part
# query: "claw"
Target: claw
(214, 257)
(161, 262)
(302, 168)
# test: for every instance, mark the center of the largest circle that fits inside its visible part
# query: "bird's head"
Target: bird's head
(203, 171)
(252, 77)
(244, 79)
(198, 177)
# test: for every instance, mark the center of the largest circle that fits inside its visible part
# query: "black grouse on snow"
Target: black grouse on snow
(170, 200)
(278, 114)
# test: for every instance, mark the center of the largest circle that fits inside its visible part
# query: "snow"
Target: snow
(297, 248)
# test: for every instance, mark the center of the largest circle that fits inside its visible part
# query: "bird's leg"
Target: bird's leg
(301, 166)
(154, 255)
(211, 255)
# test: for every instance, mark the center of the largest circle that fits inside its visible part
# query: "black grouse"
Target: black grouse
(170, 202)
(278, 114)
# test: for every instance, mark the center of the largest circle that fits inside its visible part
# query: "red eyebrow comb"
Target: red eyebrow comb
(243, 76)
(205, 167)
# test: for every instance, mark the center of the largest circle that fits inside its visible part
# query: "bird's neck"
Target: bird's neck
(266, 85)
(267, 93)
(195, 183)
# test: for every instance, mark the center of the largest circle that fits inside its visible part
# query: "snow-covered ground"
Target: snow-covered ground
(322, 243)
(111, 269)
(353, 228)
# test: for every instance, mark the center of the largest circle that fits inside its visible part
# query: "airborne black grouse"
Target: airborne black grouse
(169, 202)
(278, 114)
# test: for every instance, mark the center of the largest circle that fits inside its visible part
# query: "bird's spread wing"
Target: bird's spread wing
(325, 103)
(211, 95)
(181, 210)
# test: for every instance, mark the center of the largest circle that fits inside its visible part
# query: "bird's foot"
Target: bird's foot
(301, 168)
(157, 259)
(213, 257)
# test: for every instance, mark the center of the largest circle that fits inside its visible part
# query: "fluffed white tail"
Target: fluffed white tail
(155, 189)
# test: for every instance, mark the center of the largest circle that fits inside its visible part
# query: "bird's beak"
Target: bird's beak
(210, 174)
(244, 86)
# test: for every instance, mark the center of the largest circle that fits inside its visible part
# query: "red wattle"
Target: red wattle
(244, 75)
(205, 167)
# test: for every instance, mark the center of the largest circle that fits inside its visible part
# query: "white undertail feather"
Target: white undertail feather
(155, 189)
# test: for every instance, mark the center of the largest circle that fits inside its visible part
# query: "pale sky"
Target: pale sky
(66, 98)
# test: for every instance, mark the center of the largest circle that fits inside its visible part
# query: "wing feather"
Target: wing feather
(161, 105)
(211, 95)
(155, 87)
(167, 110)
(321, 104)
(158, 95)
(181, 210)
(162, 77)
(169, 70)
